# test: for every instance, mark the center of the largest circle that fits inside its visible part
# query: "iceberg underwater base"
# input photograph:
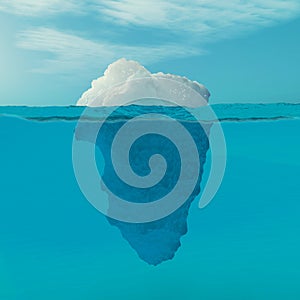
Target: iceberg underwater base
(245, 244)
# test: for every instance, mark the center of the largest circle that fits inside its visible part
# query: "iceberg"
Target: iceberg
(154, 240)
(114, 87)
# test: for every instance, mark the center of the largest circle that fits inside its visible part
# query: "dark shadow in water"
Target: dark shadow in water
(155, 241)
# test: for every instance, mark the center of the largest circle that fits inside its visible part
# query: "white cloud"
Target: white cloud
(74, 53)
(39, 7)
(206, 18)
(196, 16)
(191, 25)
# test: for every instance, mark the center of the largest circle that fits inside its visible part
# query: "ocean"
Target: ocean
(244, 245)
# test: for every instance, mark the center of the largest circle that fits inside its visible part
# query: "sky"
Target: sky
(241, 50)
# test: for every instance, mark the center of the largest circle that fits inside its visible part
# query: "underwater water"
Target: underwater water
(244, 245)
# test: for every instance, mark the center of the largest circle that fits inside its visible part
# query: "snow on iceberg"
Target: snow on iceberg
(114, 87)
(158, 240)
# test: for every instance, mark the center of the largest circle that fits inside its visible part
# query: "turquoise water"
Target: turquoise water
(244, 245)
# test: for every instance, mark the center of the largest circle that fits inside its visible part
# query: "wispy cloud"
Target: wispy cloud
(206, 18)
(40, 7)
(196, 16)
(191, 26)
(73, 53)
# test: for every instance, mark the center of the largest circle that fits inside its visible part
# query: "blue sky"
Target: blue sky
(243, 51)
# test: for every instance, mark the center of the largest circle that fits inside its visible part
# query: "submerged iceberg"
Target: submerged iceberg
(158, 240)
